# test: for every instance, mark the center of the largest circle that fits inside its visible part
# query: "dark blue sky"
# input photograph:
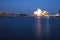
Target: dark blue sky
(29, 6)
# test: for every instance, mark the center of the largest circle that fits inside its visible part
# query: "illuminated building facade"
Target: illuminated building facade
(39, 12)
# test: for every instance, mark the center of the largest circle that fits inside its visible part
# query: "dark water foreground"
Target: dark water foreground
(29, 28)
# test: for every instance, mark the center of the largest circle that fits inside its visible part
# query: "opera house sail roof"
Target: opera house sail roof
(39, 12)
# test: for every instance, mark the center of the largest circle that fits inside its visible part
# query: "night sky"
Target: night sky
(29, 6)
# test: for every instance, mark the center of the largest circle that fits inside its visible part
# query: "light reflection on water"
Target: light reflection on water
(47, 29)
(27, 28)
(39, 29)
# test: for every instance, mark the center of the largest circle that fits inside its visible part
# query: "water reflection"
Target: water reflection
(47, 29)
(38, 28)
(40, 33)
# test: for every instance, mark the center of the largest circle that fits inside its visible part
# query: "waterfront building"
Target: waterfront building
(39, 12)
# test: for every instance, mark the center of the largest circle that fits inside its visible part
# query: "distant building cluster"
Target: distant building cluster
(11, 14)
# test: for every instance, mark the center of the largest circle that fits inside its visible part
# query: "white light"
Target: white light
(44, 11)
(38, 12)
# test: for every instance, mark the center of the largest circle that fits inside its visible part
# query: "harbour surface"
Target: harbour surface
(29, 28)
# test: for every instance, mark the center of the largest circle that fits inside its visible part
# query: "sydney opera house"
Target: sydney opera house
(39, 12)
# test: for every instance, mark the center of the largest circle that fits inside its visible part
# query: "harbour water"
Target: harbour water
(29, 28)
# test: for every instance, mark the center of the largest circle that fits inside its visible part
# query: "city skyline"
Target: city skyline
(29, 6)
